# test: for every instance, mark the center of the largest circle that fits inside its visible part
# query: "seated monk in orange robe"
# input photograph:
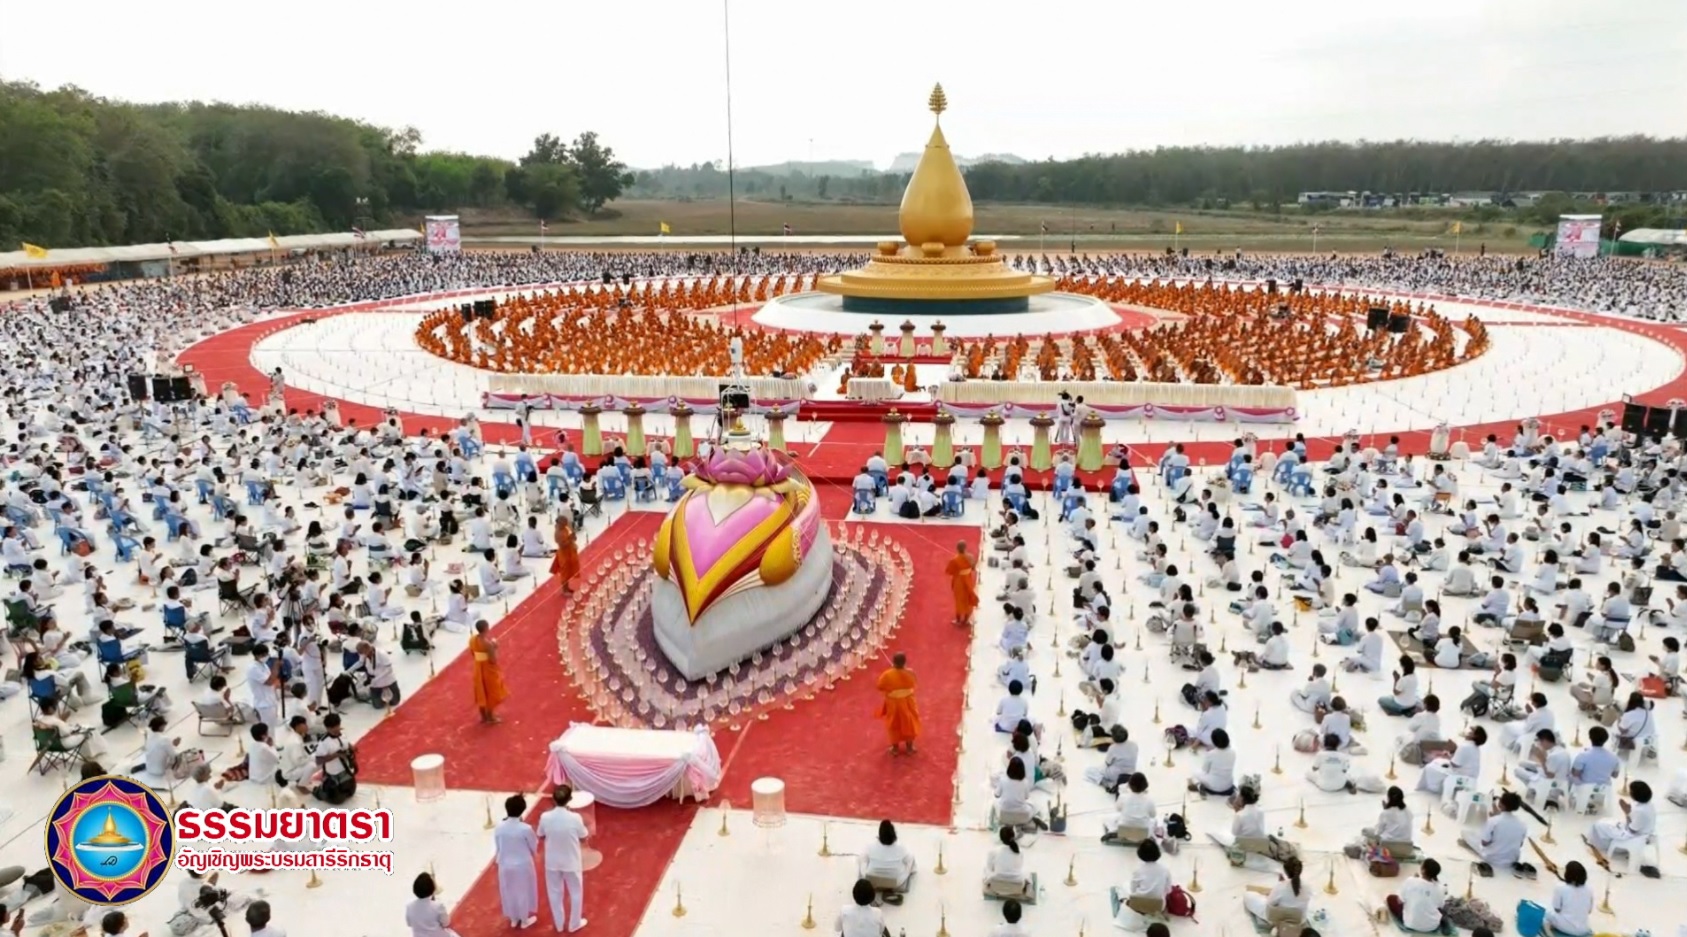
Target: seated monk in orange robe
(900, 713)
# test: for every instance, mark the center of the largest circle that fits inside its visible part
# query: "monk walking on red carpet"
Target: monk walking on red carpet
(566, 564)
(963, 582)
(900, 713)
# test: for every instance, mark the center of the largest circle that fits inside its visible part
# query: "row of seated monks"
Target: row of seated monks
(607, 331)
(1229, 335)
(1223, 334)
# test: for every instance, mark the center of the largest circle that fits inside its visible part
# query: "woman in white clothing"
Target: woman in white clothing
(1640, 820)
(1004, 869)
(1405, 699)
(1394, 824)
(1418, 906)
(1149, 886)
(1217, 775)
(426, 916)
(1287, 901)
(1013, 796)
(887, 864)
(1466, 761)
(1572, 903)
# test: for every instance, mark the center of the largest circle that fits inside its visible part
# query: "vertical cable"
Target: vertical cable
(731, 168)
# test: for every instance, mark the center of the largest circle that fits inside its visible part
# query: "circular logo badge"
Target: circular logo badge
(109, 840)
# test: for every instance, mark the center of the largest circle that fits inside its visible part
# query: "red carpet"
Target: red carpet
(832, 752)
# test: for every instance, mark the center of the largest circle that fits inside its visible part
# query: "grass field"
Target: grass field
(1091, 227)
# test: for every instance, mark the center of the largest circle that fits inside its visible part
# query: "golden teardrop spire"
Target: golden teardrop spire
(936, 207)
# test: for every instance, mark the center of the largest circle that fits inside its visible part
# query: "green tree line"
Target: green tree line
(76, 169)
(1258, 178)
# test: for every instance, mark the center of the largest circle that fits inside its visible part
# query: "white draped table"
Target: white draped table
(1118, 393)
(873, 389)
(628, 768)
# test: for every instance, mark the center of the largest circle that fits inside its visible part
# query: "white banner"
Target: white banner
(445, 236)
(1578, 236)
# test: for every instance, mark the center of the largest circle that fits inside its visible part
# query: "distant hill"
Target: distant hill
(905, 162)
(833, 167)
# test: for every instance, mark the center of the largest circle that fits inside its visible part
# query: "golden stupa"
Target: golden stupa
(109, 838)
(936, 264)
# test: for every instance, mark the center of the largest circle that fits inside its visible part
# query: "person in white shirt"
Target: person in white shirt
(1012, 708)
(860, 918)
(1418, 906)
(426, 915)
(1010, 926)
(887, 864)
(1330, 767)
(1465, 761)
(1571, 904)
(258, 919)
(263, 682)
(561, 831)
(201, 793)
(1499, 843)
(383, 682)
(1394, 824)
(1134, 815)
(1149, 884)
(1315, 694)
(1217, 774)
(1640, 820)
(1287, 899)
(1004, 868)
(514, 847)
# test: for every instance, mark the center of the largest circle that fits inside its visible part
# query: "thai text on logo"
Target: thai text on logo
(286, 825)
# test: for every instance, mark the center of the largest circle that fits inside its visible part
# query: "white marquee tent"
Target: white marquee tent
(179, 250)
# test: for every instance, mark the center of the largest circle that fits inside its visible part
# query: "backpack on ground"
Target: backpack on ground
(1180, 903)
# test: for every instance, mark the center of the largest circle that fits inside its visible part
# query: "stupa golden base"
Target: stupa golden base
(936, 272)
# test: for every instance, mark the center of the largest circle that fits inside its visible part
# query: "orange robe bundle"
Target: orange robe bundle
(489, 689)
(900, 713)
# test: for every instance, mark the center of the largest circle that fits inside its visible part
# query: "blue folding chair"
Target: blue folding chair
(953, 504)
(644, 490)
(175, 621)
(675, 489)
(881, 481)
(503, 484)
(254, 493)
(204, 489)
(556, 486)
(614, 489)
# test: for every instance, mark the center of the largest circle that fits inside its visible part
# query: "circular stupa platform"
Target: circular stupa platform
(1045, 314)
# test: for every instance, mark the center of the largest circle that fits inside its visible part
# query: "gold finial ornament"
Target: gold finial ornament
(938, 102)
(679, 901)
(1072, 863)
(940, 869)
(808, 917)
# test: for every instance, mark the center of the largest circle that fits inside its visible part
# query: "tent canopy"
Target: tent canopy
(1658, 236)
(135, 253)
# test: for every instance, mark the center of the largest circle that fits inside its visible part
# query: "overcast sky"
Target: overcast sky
(849, 80)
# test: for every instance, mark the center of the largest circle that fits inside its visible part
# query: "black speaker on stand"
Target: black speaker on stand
(1658, 422)
(161, 389)
(1399, 323)
(181, 389)
(1634, 417)
(1376, 318)
(137, 388)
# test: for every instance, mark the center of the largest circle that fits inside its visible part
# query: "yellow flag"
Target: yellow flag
(1180, 227)
(665, 229)
(273, 243)
(1458, 227)
(34, 251)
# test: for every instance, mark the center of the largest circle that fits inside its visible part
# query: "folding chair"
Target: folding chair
(50, 751)
(220, 716)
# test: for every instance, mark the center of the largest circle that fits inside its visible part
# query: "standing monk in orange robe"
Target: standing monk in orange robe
(566, 564)
(489, 688)
(963, 582)
(900, 713)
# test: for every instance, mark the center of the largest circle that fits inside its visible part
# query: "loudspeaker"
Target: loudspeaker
(162, 391)
(626, 279)
(467, 312)
(736, 399)
(1376, 317)
(181, 389)
(1657, 422)
(485, 308)
(59, 304)
(1399, 323)
(608, 278)
(1634, 418)
(1271, 287)
(137, 387)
